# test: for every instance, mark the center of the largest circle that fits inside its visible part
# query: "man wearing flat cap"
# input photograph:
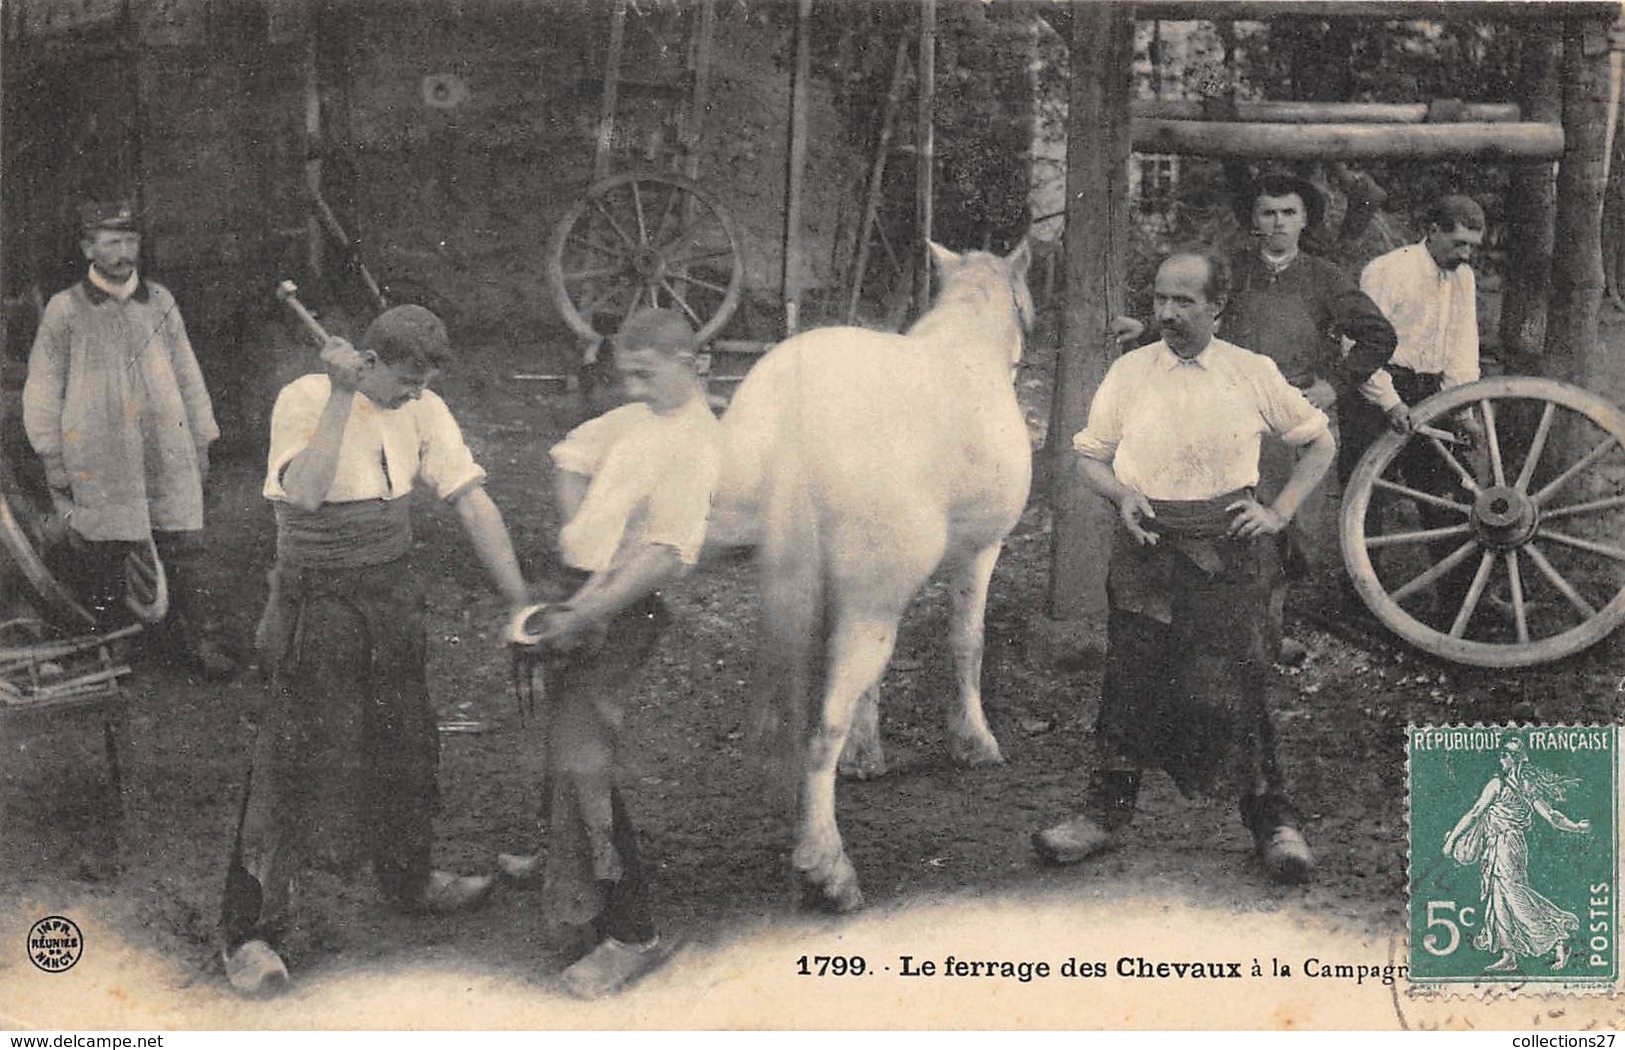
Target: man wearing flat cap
(116, 408)
(1300, 311)
(345, 757)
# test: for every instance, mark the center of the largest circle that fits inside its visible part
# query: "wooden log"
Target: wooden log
(1325, 142)
(1096, 245)
(1385, 10)
(1530, 206)
(1577, 275)
(796, 168)
(1334, 112)
(926, 145)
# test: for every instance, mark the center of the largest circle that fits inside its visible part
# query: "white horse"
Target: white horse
(862, 461)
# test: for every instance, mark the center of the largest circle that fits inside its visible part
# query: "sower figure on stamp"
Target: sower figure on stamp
(348, 747)
(1173, 441)
(116, 408)
(634, 488)
(1517, 920)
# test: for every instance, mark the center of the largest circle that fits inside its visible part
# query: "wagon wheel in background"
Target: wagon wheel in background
(53, 601)
(650, 240)
(1537, 517)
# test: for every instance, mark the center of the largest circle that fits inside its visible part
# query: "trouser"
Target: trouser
(1310, 538)
(593, 873)
(345, 757)
(1187, 663)
(94, 570)
(1419, 466)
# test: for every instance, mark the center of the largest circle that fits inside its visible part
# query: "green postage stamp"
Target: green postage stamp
(1514, 849)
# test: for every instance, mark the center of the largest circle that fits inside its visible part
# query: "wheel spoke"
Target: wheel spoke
(602, 301)
(1537, 446)
(1557, 581)
(1394, 539)
(684, 232)
(1497, 469)
(1611, 503)
(1465, 614)
(637, 210)
(666, 210)
(689, 310)
(703, 283)
(1583, 463)
(1468, 482)
(592, 274)
(629, 242)
(1420, 496)
(1616, 553)
(714, 253)
(1427, 578)
(1520, 615)
(588, 242)
(632, 307)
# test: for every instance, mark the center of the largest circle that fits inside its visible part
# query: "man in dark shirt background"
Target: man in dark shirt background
(1300, 311)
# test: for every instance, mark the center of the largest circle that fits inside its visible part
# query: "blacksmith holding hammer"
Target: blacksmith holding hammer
(1173, 442)
(345, 757)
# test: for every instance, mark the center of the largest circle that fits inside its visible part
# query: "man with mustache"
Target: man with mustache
(1173, 441)
(116, 408)
(1429, 293)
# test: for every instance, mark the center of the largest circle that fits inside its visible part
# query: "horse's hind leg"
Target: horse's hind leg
(970, 741)
(858, 651)
(863, 758)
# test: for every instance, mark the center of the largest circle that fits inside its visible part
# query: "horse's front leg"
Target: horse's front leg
(858, 651)
(970, 741)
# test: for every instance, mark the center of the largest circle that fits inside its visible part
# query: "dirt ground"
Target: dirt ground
(928, 835)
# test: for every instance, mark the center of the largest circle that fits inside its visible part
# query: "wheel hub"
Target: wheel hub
(1504, 518)
(648, 264)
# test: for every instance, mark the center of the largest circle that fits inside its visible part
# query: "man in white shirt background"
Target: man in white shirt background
(1429, 293)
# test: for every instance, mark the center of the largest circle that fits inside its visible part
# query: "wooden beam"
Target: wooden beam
(1335, 112)
(795, 175)
(1409, 10)
(925, 141)
(612, 84)
(1096, 243)
(1523, 140)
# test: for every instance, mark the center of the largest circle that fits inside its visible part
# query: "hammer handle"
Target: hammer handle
(307, 317)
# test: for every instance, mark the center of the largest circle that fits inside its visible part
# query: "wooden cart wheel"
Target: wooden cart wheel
(1536, 518)
(54, 601)
(651, 240)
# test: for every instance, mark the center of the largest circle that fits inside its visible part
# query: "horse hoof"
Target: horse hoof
(865, 767)
(975, 750)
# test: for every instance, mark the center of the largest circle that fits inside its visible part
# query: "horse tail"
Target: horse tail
(790, 653)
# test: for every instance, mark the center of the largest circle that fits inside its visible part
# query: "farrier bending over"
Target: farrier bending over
(634, 487)
(349, 746)
(1173, 441)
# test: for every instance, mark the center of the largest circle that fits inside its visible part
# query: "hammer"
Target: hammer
(286, 291)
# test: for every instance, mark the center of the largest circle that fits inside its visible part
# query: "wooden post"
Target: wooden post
(1096, 246)
(877, 175)
(797, 165)
(700, 100)
(612, 86)
(926, 141)
(1531, 206)
(1577, 278)
(314, 149)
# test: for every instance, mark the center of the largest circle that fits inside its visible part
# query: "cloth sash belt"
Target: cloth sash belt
(1191, 533)
(343, 535)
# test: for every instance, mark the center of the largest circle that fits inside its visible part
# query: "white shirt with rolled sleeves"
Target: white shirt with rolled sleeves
(652, 480)
(385, 451)
(1433, 311)
(1178, 429)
